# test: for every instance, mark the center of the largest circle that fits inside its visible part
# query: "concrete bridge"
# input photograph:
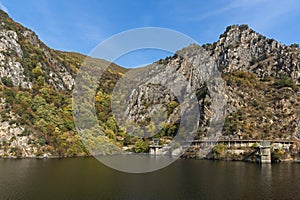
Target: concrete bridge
(263, 147)
(276, 144)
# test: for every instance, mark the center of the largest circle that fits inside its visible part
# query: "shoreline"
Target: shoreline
(182, 158)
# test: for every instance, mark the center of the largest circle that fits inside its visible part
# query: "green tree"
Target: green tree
(111, 124)
(218, 151)
(141, 146)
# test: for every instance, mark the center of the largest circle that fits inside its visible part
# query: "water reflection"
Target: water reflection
(86, 178)
(136, 163)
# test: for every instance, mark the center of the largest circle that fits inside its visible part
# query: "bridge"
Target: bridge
(263, 147)
(276, 144)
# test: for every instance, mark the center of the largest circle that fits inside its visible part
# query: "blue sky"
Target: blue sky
(81, 25)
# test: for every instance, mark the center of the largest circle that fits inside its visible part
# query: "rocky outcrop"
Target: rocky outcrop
(21, 51)
(270, 63)
(241, 48)
(16, 141)
(261, 78)
(10, 55)
(168, 87)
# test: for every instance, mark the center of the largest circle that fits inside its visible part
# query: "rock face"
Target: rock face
(15, 141)
(21, 51)
(260, 86)
(261, 74)
(169, 87)
(240, 48)
(10, 56)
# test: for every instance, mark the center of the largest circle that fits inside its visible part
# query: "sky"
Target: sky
(81, 25)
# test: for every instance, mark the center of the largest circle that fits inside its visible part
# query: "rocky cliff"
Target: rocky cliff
(261, 78)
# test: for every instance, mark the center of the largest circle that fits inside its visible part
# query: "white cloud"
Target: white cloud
(4, 8)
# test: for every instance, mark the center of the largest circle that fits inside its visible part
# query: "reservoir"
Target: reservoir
(87, 178)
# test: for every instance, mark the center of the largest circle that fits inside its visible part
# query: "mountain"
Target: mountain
(262, 78)
(256, 82)
(36, 85)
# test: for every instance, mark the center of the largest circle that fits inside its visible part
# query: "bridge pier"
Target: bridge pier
(155, 149)
(265, 152)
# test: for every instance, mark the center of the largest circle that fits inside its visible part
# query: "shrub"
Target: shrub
(253, 61)
(9, 95)
(255, 103)
(255, 145)
(202, 92)
(284, 81)
(244, 27)
(11, 122)
(37, 71)
(26, 132)
(295, 46)
(109, 133)
(42, 141)
(171, 106)
(277, 155)
(7, 81)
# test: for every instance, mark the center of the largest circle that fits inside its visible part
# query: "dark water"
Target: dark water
(86, 178)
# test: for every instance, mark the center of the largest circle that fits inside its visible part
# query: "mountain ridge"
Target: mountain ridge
(261, 79)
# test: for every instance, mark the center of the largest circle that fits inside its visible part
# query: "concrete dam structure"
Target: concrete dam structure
(261, 148)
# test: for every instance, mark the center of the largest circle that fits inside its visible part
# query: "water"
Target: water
(86, 178)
